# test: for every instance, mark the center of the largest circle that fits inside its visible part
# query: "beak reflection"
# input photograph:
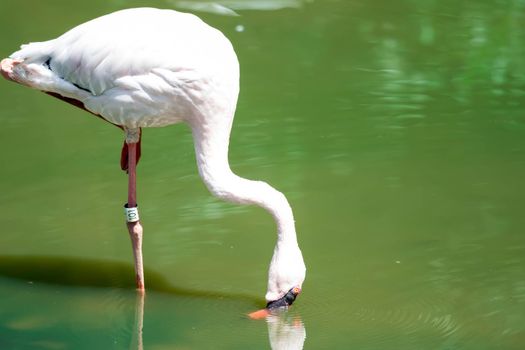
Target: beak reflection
(285, 331)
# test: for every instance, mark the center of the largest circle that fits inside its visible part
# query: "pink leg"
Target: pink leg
(135, 228)
(139, 323)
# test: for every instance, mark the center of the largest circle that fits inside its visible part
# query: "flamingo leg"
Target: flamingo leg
(134, 226)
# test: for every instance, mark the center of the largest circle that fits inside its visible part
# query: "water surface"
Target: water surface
(397, 131)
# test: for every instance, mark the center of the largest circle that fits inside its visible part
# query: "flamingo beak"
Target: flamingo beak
(286, 301)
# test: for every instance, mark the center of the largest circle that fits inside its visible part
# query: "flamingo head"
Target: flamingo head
(286, 275)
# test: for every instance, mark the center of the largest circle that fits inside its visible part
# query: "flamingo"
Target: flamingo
(147, 67)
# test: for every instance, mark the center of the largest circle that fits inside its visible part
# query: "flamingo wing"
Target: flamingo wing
(136, 68)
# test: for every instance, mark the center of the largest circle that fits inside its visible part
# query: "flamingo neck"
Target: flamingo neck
(211, 149)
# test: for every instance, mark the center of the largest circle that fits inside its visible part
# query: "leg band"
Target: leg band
(132, 214)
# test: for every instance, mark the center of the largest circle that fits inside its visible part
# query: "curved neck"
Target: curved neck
(211, 150)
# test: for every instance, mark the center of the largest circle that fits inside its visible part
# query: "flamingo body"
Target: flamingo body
(139, 67)
(147, 67)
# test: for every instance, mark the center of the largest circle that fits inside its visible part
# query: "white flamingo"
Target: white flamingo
(148, 67)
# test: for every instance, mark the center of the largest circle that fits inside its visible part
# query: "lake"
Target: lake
(396, 130)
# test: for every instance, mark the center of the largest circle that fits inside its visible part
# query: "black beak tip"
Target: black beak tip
(286, 300)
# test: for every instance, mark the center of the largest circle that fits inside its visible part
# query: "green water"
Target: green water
(397, 131)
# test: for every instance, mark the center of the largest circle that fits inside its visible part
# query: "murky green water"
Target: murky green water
(396, 129)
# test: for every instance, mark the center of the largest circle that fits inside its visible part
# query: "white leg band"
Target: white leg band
(132, 214)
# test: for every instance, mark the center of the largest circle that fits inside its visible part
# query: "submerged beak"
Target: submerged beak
(285, 301)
